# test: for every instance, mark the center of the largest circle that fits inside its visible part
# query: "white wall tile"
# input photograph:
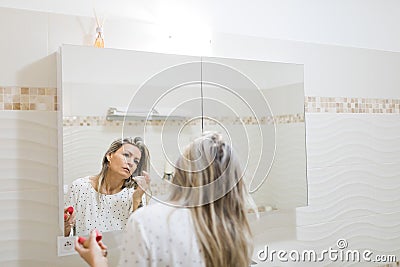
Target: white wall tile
(23, 52)
(348, 139)
(28, 158)
(29, 225)
(377, 233)
(343, 192)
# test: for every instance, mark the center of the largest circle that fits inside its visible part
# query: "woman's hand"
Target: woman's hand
(143, 182)
(93, 252)
(69, 221)
(143, 185)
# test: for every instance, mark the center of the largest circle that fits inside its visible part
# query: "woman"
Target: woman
(105, 201)
(205, 225)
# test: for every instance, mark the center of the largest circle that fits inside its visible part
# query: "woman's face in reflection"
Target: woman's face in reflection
(125, 160)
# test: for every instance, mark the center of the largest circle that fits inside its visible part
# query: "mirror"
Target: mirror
(171, 99)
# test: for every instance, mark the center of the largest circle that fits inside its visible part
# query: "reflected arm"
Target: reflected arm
(143, 185)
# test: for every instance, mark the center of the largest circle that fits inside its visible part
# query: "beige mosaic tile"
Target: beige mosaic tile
(24, 98)
(351, 105)
(25, 91)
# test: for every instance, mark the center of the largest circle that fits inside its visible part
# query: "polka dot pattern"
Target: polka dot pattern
(95, 210)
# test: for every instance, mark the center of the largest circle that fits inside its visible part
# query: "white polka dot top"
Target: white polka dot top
(162, 236)
(96, 210)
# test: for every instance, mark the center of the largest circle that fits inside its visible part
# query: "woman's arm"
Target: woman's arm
(143, 185)
(69, 220)
(70, 200)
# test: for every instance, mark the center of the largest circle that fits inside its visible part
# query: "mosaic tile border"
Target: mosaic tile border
(24, 98)
(45, 99)
(351, 105)
(102, 121)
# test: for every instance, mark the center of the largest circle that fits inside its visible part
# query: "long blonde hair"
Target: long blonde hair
(208, 179)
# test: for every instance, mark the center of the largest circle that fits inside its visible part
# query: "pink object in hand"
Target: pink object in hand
(99, 235)
(82, 240)
(70, 210)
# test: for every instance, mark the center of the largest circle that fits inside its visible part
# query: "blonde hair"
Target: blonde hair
(142, 166)
(208, 179)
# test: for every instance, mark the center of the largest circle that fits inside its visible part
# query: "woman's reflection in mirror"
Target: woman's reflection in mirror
(105, 201)
(200, 227)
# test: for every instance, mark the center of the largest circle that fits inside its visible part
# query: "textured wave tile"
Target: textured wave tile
(29, 192)
(28, 227)
(342, 192)
(378, 233)
(28, 155)
(345, 139)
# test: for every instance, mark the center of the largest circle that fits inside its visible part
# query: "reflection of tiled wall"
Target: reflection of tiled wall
(17, 98)
(314, 104)
(101, 121)
(351, 105)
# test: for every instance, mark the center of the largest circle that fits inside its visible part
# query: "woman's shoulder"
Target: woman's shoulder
(158, 219)
(158, 211)
(83, 181)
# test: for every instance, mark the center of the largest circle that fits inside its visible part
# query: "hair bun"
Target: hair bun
(137, 139)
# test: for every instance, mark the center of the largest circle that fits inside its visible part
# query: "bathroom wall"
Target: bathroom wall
(352, 137)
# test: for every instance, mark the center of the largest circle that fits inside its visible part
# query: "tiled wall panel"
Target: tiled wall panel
(29, 193)
(346, 139)
(343, 192)
(378, 233)
(28, 155)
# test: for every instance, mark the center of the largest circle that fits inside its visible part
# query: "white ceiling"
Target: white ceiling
(373, 24)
